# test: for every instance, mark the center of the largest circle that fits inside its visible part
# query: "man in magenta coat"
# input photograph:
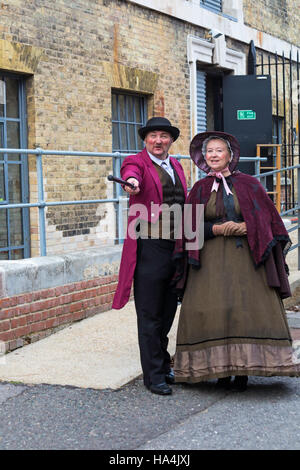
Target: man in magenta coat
(159, 183)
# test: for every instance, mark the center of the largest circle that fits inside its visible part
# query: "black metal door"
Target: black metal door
(247, 108)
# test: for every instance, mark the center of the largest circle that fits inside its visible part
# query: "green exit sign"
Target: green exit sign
(245, 114)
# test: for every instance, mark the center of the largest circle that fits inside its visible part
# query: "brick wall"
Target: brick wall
(277, 17)
(40, 295)
(74, 53)
(31, 316)
(84, 50)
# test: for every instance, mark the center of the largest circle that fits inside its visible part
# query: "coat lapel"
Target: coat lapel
(178, 168)
(153, 173)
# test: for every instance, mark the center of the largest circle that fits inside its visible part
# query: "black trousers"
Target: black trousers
(155, 305)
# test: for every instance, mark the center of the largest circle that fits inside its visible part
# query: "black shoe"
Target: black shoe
(170, 377)
(224, 383)
(240, 383)
(161, 389)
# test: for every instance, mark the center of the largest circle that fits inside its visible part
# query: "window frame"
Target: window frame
(137, 124)
(6, 159)
(213, 5)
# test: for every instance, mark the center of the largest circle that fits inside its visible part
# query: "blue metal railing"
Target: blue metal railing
(295, 209)
(41, 204)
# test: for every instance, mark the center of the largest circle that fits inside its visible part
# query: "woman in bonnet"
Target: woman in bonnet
(232, 320)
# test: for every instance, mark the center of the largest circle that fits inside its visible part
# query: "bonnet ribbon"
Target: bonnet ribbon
(219, 174)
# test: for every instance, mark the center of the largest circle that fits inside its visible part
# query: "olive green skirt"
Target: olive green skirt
(231, 322)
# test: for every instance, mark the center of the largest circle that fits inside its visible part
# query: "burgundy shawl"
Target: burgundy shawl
(267, 236)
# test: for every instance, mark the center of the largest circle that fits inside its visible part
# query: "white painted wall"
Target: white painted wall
(191, 12)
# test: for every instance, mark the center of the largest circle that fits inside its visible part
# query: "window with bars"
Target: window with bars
(214, 5)
(128, 115)
(14, 222)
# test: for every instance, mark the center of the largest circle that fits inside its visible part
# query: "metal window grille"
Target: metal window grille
(128, 115)
(14, 223)
(214, 5)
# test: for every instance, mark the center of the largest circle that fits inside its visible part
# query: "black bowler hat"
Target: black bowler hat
(159, 124)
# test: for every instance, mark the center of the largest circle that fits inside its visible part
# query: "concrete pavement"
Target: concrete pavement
(100, 352)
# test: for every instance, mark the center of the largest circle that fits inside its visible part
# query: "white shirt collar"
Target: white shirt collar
(158, 160)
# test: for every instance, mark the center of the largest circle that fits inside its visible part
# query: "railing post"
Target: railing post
(121, 222)
(257, 162)
(116, 171)
(41, 201)
(278, 178)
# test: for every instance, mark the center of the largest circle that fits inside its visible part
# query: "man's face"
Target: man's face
(158, 143)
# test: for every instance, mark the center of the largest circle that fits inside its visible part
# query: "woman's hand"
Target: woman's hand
(242, 228)
(218, 229)
(235, 229)
(136, 184)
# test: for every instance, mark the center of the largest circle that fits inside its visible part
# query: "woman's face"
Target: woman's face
(217, 154)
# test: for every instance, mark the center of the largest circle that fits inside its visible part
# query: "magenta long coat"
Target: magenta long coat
(140, 166)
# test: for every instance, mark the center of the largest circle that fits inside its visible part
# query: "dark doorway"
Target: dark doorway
(214, 102)
(209, 99)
